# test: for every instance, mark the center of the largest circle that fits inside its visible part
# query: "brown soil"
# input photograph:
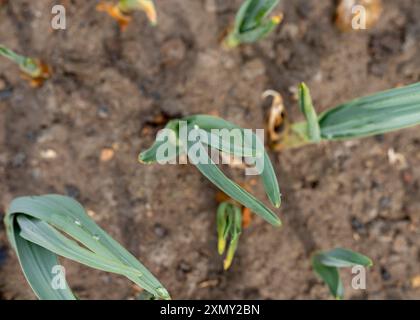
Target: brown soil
(108, 88)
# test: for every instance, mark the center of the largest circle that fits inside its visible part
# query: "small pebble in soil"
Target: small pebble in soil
(384, 203)
(160, 230)
(31, 136)
(48, 154)
(173, 52)
(184, 267)
(91, 213)
(36, 173)
(357, 225)
(19, 160)
(5, 89)
(375, 185)
(386, 276)
(107, 154)
(400, 244)
(72, 191)
(103, 112)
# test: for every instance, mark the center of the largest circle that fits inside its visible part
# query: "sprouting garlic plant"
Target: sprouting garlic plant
(229, 228)
(326, 265)
(379, 113)
(122, 10)
(41, 228)
(197, 136)
(252, 22)
(33, 69)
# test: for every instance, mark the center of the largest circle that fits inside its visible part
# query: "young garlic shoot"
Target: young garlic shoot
(202, 126)
(41, 228)
(252, 22)
(326, 265)
(379, 113)
(122, 10)
(33, 70)
(229, 228)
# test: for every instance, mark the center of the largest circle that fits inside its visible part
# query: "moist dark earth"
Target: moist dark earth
(111, 90)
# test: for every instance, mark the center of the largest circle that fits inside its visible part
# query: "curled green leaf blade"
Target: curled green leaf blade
(237, 220)
(37, 264)
(235, 232)
(207, 122)
(42, 234)
(376, 114)
(231, 252)
(150, 155)
(222, 144)
(39, 220)
(223, 141)
(268, 174)
(330, 276)
(222, 227)
(233, 190)
(344, 258)
(326, 265)
(208, 168)
(270, 183)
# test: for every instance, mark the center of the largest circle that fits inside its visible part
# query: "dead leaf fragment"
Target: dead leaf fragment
(277, 124)
(246, 217)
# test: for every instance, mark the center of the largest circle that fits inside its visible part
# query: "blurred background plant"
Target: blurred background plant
(33, 70)
(252, 22)
(123, 9)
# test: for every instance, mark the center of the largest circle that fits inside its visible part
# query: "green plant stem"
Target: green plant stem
(296, 137)
(231, 41)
